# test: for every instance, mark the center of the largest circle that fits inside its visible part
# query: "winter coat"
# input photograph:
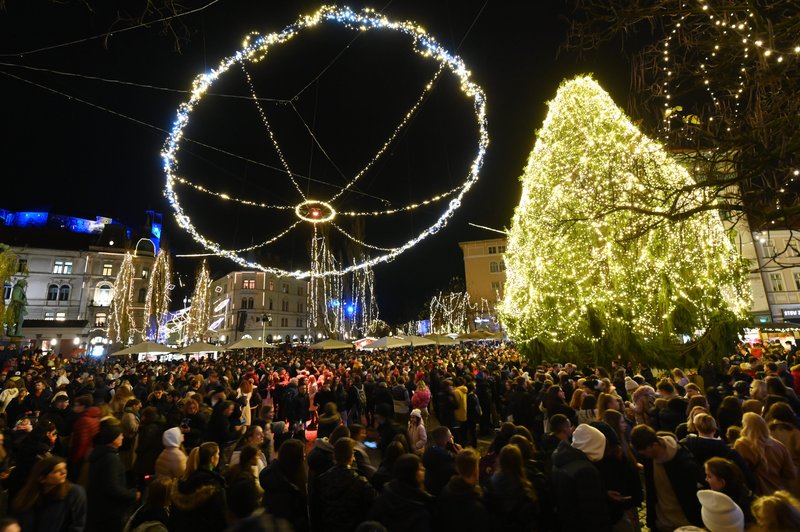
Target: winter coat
(57, 515)
(775, 472)
(510, 506)
(198, 503)
(109, 498)
(418, 437)
(283, 499)
(579, 491)
(83, 431)
(685, 476)
(148, 447)
(198, 427)
(704, 448)
(440, 466)
(461, 507)
(171, 463)
(320, 459)
(789, 436)
(402, 508)
(340, 500)
(446, 409)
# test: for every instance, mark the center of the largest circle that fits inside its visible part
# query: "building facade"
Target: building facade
(485, 278)
(70, 265)
(261, 306)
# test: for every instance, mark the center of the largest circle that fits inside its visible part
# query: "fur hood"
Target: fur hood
(194, 492)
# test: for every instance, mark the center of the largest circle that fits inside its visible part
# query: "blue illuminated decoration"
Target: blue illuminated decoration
(350, 309)
(333, 303)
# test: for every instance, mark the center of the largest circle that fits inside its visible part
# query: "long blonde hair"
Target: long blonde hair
(755, 433)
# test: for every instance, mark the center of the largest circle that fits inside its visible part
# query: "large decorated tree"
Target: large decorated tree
(593, 270)
(156, 306)
(200, 311)
(121, 325)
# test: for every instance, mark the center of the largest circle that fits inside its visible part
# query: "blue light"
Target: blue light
(333, 303)
(350, 309)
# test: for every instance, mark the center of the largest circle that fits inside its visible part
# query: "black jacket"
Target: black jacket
(198, 503)
(511, 507)
(57, 515)
(282, 499)
(402, 508)
(109, 498)
(440, 466)
(704, 448)
(579, 491)
(461, 507)
(341, 499)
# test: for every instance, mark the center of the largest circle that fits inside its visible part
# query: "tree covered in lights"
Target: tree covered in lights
(200, 311)
(121, 326)
(156, 307)
(592, 267)
(719, 79)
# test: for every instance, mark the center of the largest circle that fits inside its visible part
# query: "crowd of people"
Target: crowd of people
(470, 437)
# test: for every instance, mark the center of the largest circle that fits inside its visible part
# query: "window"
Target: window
(103, 295)
(299, 307)
(22, 266)
(492, 250)
(501, 249)
(502, 265)
(284, 322)
(63, 293)
(493, 267)
(52, 292)
(62, 266)
(100, 319)
(768, 248)
(270, 303)
(299, 290)
(271, 285)
(145, 273)
(50, 316)
(61, 316)
(797, 280)
(250, 302)
(285, 306)
(108, 269)
(299, 322)
(285, 288)
(249, 284)
(776, 280)
(244, 302)
(7, 288)
(142, 295)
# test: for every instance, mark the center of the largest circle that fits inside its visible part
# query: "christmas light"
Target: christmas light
(121, 326)
(200, 311)
(589, 242)
(255, 49)
(156, 307)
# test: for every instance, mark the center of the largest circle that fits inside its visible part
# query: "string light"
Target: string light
(449, 313)
(200, 310)
(255, 49)
(615, 256)
(248, 248)
(156, 307)
(121, 326)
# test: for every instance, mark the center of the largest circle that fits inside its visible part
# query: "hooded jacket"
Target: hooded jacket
(198, 503)
(171, 463)
(684, 474)
(83, 431)
(403, 508)
(579, 491)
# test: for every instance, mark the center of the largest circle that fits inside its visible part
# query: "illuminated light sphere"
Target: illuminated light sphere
(591, 263)
(322, 211)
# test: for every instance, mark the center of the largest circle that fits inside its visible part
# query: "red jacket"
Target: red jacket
(84, 430)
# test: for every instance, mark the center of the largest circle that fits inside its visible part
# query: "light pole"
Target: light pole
(264, 318)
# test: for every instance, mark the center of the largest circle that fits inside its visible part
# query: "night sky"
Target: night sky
(65, 156)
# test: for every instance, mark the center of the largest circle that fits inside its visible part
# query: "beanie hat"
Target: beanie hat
(416, 413)
(172, 437)
(719, 512)
(109, 431)
(630, 384)
(589, 440)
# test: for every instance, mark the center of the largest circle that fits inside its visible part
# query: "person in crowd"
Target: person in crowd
(461, 505)
(154, 514)
(220, 429)
(561, 429)
(767, 458)
(784, 427)
(363, 461)
(555, 403)
(384, 472)
(284, 485)
(341, 498)
(510, 496)
(720, 512)
(404, 504)
(578, 487)
(38, 444)
(193, 425)
(706, 445)
(149, 444)
(254, 437)
(322, 457)
(587, 409)
(48, 501)
(84, 429)
(725, 476)
(421, 398)
(110, 501)
(329, 419)
(198, 500)
(416, 432)
(671, 480)
(171, 463)
(244, 470)
(779, 511)
(439, 460)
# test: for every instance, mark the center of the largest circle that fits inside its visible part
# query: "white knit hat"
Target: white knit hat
(416, 413)
(589, 440)
(630, 384)
(720, 513)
